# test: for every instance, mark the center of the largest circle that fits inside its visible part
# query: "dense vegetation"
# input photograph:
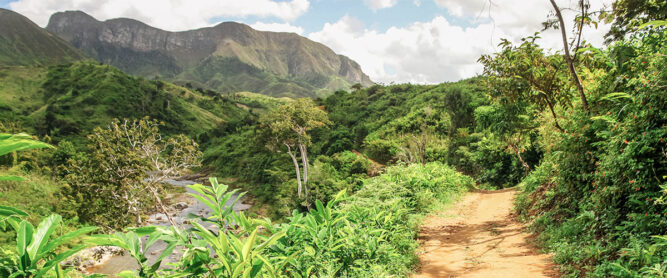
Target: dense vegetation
(347, 177)
(370, 234)
(23, 43)
(597, 197)
(69, 100)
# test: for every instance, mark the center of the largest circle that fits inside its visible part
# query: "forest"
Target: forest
(340, 185)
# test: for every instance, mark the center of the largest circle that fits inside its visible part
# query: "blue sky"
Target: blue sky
(320, 12)
(394, 41)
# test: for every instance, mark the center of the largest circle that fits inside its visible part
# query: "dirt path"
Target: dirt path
(477, 237)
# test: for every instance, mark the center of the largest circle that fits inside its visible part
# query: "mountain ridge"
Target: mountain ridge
(293, 61)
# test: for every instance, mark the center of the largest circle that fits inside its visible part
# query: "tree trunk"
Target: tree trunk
(159, 201)
(553, 113)
(568, 59)
(304, 160)
(523, 163)
(298, 171)
(581, 30)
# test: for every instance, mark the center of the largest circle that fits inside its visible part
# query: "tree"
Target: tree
(568, 58)
(127, 162)
(510, 127)
(286, 128)
(525, 73)
(629, 15)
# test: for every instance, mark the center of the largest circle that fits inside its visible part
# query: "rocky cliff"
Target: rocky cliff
(229, 56)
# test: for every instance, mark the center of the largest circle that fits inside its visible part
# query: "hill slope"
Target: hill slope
(22, 42)
(227, 57)
(67, 101)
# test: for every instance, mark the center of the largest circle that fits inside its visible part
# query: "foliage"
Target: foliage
(11, 143)
(594, 198)
(629, 15)
(287, 126)
(370, 234)
(67, 101)
(36, 252)
(121, 174)
(525, 74)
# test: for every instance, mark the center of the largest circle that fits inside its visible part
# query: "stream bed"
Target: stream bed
(118, 263)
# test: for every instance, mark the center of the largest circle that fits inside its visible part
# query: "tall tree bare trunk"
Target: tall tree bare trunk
(296, 166)
(568, 58)
(304, 160)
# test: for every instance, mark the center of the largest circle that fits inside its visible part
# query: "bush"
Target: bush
(596, 197)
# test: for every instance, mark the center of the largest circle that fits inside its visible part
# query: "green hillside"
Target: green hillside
(556, 164)
(24, 43)
(69, 100)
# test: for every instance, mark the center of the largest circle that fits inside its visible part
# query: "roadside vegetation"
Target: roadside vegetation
(341, 183)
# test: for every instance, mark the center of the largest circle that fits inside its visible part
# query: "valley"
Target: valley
(127, 150)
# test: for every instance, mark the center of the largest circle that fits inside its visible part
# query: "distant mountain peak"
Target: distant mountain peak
(229, 56)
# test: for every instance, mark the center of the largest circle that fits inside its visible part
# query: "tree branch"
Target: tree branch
(568, 59)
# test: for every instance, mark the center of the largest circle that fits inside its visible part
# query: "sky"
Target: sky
(394, 41)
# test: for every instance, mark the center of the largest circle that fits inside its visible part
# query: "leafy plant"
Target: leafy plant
(10, 143)
(36, 252)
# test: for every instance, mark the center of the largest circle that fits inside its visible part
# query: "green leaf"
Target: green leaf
(165, 253)
(11, 178)
(58, 259)
(41, 236)
(23, 237)
(18, 142)
(654, 23)
(247, 247)
(275, 237)
(52, 245)
(11, 211)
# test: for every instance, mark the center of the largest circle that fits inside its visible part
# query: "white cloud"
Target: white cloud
(277, 27)
(380, 4)
(437, 50)
(173, 15)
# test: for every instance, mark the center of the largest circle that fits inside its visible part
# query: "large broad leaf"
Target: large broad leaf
(18, 142)
(23, 237)
(53, 244)
(42, 234)
(247, 247)
(654, 23)
(11, 178)
(58, 259)
(6, 211)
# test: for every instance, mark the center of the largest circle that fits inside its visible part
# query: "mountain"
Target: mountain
(23, 43)
(228, 57)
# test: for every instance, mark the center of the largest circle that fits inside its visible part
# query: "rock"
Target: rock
(181, 206)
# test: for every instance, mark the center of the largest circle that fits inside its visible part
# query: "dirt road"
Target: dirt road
(477, 237)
